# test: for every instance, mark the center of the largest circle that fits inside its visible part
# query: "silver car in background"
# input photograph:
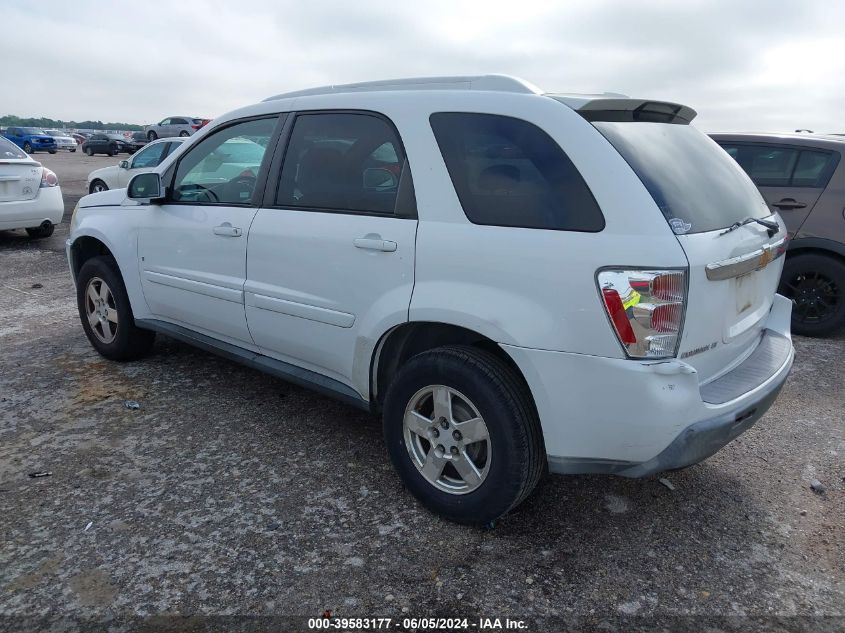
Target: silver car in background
(174, 126)
(63, 140)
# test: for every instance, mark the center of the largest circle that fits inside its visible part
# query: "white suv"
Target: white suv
(516, 280)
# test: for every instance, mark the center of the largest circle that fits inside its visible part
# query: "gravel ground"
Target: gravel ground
(231, 493)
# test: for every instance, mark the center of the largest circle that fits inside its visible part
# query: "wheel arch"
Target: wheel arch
(817, 245)
(406, 340)
(86, 247)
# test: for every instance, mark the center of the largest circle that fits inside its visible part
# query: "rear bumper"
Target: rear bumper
(47, 205)
(605, 415)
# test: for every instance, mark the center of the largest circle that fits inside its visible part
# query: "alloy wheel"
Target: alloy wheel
(101, 310)
(447, 439)
(815, 296)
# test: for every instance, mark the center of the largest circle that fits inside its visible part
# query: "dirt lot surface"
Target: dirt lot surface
(231, 493)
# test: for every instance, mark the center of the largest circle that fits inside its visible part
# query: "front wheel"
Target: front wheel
(151, 136)
(112, 151)
(97, 186)
(463, 433)
(816, 285)
(27, 148)
(106, 313)
(51, 151)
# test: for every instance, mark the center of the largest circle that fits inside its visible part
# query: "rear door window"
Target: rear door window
(782, 165)
(342, 162)
(509, 172)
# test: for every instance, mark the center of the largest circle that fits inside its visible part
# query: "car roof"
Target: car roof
(826, 141)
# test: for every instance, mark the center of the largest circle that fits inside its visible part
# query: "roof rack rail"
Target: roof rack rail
(496, 83)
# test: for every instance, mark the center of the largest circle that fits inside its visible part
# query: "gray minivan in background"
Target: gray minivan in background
(802, 177)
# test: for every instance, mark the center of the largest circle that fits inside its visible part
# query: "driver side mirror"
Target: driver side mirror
(145, 187)
(124, 164)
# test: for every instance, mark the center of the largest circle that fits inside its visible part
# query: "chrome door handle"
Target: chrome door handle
(374, 244)
(227, 230)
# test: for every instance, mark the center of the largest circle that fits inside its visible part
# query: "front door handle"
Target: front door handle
(374, 243)
(789, 203)
(227, 230)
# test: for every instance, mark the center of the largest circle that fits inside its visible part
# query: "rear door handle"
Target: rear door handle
(789, 203)
(227, 230)
(374, 244)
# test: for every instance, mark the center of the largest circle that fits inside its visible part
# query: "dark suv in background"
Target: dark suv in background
(802, 177)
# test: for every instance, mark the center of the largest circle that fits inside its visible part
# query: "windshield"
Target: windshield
(32, 130)
(117, 137)
(54, 133)
(697, 186)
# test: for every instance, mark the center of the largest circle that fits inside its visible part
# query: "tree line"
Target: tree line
(10, 120)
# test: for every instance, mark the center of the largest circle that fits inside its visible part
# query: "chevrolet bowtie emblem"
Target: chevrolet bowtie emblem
(766, 257)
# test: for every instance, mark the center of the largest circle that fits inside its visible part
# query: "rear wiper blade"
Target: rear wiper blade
(772, 227)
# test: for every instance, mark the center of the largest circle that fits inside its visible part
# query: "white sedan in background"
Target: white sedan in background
(30, 196)
(145, 159)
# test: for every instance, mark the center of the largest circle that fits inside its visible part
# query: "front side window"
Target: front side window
(345, 162)
(223, 167)
(150, 156)
(509, 172)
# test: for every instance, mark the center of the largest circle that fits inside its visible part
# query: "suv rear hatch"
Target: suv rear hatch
(713, 208)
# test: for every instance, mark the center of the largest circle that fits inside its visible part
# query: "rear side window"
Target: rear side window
(343, 162)
(508, 172)
(783, 166)
(10, 150)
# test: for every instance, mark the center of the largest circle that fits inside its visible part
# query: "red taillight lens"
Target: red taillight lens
(646, 309)
(48, 178)
(196, 127)
(616, 311)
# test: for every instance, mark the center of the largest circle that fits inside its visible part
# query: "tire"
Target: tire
(97, 185)
(73, 150)
(38, 232)
(151, 136)
(51, 151)
(123, 340)
(112, 151)
(510, 463)
(816, 285)
(89, 151)
(27, 148)
(183, 133)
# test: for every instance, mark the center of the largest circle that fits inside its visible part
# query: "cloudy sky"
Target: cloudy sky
(773, 65)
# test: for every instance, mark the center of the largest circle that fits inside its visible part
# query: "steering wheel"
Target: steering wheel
(244, 183)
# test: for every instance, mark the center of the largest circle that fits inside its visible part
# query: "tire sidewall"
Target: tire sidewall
(106, 270)
(502, 486)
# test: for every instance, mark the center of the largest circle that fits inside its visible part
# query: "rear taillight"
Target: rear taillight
(646, 309)
(48, 178)
(196, 127)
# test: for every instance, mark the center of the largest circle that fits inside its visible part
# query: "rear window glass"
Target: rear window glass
(508, 172)
(696, 184)
(10, 150)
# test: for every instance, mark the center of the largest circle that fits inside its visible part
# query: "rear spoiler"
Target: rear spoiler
(625, 109)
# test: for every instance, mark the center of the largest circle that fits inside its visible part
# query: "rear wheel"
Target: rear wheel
(152, 135)
(463, 434)
(112, 151)
(816, 285)
(27, 148)
(183, 133)
(45, 230)
(106, 314)
(97, 186)
(51, 151)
